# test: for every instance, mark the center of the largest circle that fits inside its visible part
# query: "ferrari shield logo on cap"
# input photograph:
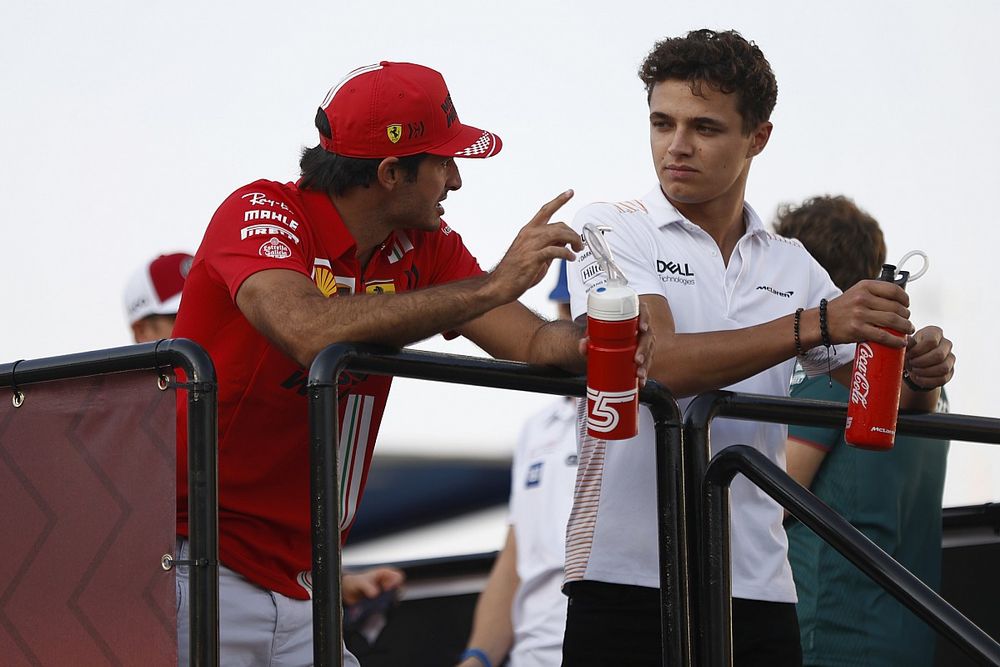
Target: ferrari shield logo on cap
(395, 132)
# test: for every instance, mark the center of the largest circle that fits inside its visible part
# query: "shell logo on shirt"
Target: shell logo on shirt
(328, 283)
(380, 287)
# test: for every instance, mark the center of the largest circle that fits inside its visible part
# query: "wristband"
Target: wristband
(476, 653)
(798, 341)
(913, 385)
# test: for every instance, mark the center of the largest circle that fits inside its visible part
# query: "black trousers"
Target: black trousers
(615, 625)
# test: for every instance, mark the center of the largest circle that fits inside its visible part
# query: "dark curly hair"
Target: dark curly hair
(844, 239)
(723, 60)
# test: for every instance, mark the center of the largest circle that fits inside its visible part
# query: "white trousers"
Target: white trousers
(256, 626)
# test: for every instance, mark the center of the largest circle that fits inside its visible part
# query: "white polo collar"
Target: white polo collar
(664, 213)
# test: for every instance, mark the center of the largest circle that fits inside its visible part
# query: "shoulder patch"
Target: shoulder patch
(628, 206)
(784, 239)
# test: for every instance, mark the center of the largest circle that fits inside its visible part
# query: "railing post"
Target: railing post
(675, 625)
(324, 490)
(697, 452)
(203, 495)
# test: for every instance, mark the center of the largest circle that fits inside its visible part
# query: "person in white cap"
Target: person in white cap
(354, 251)
(153, 295)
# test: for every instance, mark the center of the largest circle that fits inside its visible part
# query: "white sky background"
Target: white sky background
(124, 125)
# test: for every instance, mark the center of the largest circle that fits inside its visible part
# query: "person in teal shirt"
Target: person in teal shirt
(893, 497)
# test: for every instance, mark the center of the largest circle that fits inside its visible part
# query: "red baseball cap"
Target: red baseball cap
(397, 109)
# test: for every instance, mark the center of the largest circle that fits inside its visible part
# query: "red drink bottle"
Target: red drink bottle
(875, 383)
(612, 387)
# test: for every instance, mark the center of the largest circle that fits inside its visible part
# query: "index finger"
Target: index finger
(549, 209)
(888, 290)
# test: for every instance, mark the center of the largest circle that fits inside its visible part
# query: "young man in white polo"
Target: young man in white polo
(732, 306)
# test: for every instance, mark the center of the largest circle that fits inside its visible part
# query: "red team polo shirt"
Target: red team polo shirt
(264, 531)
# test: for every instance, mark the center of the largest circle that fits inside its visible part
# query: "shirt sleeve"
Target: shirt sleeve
(257, 228)
(631, 250)
(450, 259)
(819, 389)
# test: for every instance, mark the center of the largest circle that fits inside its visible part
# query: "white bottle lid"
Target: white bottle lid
(613, 303)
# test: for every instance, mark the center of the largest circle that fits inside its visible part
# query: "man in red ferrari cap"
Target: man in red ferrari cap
(355, 250)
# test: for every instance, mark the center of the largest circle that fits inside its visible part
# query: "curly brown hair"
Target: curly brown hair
(725, 61)
(843, 238)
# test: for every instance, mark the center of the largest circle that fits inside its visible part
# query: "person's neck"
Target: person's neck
(721, 218)
(363, 218)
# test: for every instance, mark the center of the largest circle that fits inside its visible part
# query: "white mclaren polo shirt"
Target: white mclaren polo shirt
(612, 530)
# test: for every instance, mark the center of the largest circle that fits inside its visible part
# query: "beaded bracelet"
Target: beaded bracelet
(798, 341)
(823, 331)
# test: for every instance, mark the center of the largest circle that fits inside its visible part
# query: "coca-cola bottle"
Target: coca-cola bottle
(875, 383)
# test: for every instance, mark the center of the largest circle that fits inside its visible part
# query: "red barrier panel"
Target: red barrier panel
(87, 498)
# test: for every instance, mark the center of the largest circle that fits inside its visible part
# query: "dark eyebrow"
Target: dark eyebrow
(705, 120)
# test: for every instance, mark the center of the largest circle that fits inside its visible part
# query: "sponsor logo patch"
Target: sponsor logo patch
(534, 475)
(267, 230)
(776, 292)
(448, 107)
(415, 130)
(380, 287)
(261, 199)
(394, 132)
(261, 214)
(328, 283)
(590, 271)
(275, 249)
(675, 268)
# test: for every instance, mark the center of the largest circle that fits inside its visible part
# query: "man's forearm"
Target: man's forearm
(557, 343)
(287, 308)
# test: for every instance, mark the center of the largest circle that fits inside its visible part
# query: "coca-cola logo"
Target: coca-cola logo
(859, 383)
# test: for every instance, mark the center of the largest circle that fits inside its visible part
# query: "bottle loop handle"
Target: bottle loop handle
(913, 253)
(593, 236)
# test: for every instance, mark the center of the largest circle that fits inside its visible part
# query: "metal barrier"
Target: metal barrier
(323, 417)
(202, 439)
(708, 525)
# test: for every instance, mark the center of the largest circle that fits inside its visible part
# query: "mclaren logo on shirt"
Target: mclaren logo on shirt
(776, 292)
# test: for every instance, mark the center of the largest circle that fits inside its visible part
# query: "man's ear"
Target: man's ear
(389, 173)
(759, 139)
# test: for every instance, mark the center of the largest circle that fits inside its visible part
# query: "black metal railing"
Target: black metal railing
(708, 524)
(202, 457)
(323, 401)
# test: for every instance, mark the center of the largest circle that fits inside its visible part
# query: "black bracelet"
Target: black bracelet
(823, 331)
(913, 385)
(798, 341)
